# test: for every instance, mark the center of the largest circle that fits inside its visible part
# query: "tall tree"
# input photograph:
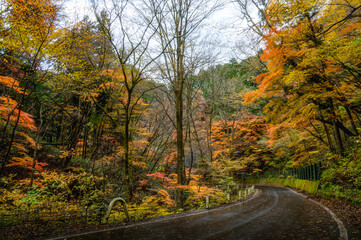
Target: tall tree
(305, 80)
(27, 29)
(131, 47)
(176, 23)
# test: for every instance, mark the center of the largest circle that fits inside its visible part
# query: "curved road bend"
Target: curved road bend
(273, 213)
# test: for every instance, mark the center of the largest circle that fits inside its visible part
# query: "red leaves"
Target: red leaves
(8, 107)
(26, 162)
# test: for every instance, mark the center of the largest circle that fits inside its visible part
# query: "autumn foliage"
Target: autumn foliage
(312, 84)
(89, 111)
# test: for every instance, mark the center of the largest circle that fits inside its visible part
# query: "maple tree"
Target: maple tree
(240, 147)
(15, 125)
(27, 27)
(310, 99)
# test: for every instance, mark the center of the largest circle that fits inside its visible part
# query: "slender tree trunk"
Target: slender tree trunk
(127, 163)
(73, 139)
(338, 138)
(7, 156)
(85, 142)
(352, 121)
(337, 133)
(191, 148)
(209, 137)
(181, 180)
(196, 136)
(98, 135)
(327, 133)
(5, 160)
(35, 155)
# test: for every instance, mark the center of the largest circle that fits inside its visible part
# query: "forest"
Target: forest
(130, 102)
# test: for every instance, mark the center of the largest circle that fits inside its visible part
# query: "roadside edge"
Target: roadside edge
(203, 211)
(341, 226)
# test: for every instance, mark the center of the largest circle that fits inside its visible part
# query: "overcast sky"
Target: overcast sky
(223, 29)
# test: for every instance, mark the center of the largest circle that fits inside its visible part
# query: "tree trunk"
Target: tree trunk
(352, 120)
(209, 137)
(35, 155)
(181, 180)
(327, 134)
(127, 163)
(338, 138)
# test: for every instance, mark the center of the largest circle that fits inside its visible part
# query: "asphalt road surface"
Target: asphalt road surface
(273, 213)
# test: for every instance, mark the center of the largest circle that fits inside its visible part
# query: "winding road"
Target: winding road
(272, 213)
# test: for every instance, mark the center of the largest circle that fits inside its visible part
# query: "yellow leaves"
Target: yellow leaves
(28, 139)
(217, 153)
(166, 198)
(30, 24)
(140, 164)
(282, 14)
(65, 154)
(296, 77)
(37, 15)
(24, 161)
(314, 152)
(198, 192)
(151, 206)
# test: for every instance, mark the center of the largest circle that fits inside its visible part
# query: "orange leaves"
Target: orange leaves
(170, 158)
(237, 144)
(114, 80)
(246, 129)
(143, 183)
(166, 198)
(280, 52)
(25, 162)
(217, 153)
(11, 83)
(162, 177)
(195, 190)
(140, 164)
(16, 123)
(39, 166)
(351, 29)
(255, 170)
(9, 107)
(198, 192)
(268, 81)
(311, 61)
(27, 139)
